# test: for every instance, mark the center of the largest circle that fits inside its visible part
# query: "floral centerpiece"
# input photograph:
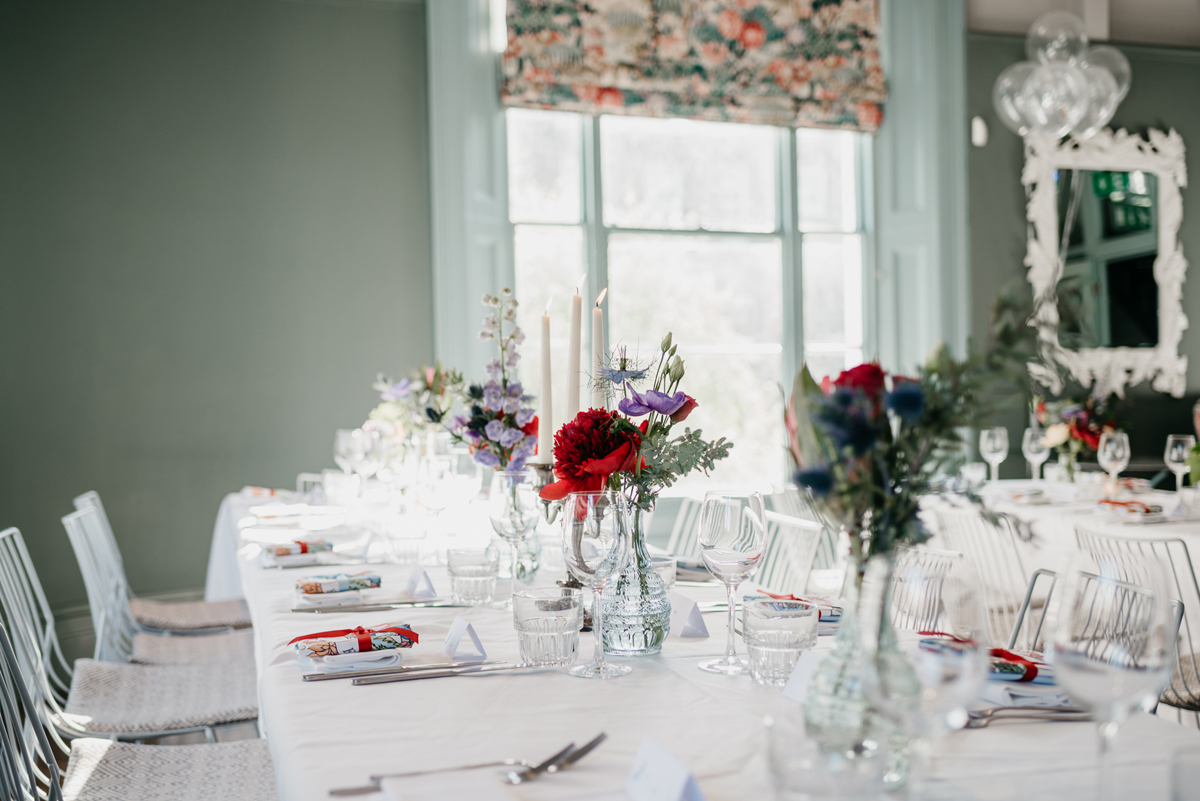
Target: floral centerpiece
(422, 400)
(636, 451)
(499, 428)
(1073, 427)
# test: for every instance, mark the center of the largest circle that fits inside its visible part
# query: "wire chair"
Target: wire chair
(795, 502)
(28, 768)
(107, 590)
(306, 482)
(992, 551)
(685, 534)
(791, 546)
(1184, 690)
(916, 604)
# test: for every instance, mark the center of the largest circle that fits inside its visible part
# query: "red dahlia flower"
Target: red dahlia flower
(587, 451)
(866, 377)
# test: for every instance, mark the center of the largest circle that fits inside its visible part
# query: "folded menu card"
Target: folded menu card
(338, 583)
(355, 641)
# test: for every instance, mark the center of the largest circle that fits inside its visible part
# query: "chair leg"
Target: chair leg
(210, 735)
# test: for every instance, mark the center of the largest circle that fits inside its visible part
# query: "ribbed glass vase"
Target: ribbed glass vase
(637, 614)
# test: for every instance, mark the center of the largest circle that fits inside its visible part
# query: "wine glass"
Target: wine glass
(1035, 450)
(1113, 456)
(342, 448)
(1111, 640)
(732, 541)
(514, 512)
(993, 447)
(1179, 448)
(365, 452)
(596, 547)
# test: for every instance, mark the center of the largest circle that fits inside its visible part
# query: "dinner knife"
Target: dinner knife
(382, 607)
(440, 674)
(402, 669)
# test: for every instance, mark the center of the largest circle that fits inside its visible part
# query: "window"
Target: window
(713, 231)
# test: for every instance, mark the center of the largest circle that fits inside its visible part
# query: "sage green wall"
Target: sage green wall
(214, 230)
(1164, 82)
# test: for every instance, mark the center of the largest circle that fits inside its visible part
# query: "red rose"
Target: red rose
(866, 377)
(684, 410)
(1087, 437)
(753, 35)
(587, 451)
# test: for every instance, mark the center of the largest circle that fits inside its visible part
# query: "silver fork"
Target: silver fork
(982, 721)
(375, 780)
(529, 774)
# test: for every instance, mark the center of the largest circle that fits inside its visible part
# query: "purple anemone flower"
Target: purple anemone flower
(651, 400)
(396, 391)
(487, 458)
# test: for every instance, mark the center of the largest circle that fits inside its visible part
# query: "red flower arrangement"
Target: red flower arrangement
(588, 450)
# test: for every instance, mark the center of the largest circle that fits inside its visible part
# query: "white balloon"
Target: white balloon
(1113, 60)
(1057, 37)
(1054, 99)
(1007, 91)
(1102, 101)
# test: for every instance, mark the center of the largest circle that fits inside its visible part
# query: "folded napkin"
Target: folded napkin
(339, 583)
(1006, 693)
(1021, 667)
(301, 547)
(326, 600)
(355, 641)
(829, 611)
(1133, 511)
(342, 662)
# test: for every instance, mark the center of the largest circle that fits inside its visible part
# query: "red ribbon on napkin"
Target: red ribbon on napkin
(1138, 505)
(363, 635)
(790, 597)
(303, 546)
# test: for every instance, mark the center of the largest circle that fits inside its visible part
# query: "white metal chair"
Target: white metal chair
(106, 699)
(1184, 690)
(788, 558)
(306, 482)
(917, 605)
(103, 770)
(993, 553)
(685, 534)
(186, 617)
(793, 501)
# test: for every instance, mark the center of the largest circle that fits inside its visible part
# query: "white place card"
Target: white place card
(454, 647)
(419, 585)
(686, 620)
(659, 775)
(797, 683)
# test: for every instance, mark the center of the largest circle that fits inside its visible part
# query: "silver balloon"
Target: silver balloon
(1101, 103)
(1113, 60)
(1057, 37)
(1006, 93)
(1054, 99)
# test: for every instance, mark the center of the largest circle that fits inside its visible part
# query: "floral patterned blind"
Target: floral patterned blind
(809, 63)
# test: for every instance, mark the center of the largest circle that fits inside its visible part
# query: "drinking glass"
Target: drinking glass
(548, 620)
(342, 446)
(993, 447)
(365, 452)
(1111, 639)
(732, 540)
(473, 574)
(973, 474)
(666, 567)
(776, 632)
(1179, 448)
(1113, 455)
(596, 547)
(1035, 450)
(514, 511)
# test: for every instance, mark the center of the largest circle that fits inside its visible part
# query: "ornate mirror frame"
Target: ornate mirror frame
(1110, 370)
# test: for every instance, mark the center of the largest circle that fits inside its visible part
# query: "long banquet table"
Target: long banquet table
(331, 734)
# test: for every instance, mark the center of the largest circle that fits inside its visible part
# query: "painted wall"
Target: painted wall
(214, 230)
(1163, 79)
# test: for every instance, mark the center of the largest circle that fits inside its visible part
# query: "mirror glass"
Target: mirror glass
(1107, 296)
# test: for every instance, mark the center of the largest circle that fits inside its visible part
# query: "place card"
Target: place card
(686, 620)
(453, 646)
(797, 683)
(419, 585)
(659, 775)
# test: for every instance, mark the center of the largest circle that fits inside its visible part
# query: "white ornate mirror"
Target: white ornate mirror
(1111, 313)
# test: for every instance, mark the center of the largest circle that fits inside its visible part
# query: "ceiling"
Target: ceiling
(1161, 22)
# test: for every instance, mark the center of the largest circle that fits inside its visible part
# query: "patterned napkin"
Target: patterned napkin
(355, 641)
(339, 583)
(1024, 667)
(301, 546)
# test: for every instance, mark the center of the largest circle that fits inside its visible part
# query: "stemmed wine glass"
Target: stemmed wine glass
(343, 444)
(732, 541)
(514, 511)
(1179, 448)
(365, 453)
(1035, 450)
(1113, 456)
(993, 447)
(1111, 640)
(596, 547)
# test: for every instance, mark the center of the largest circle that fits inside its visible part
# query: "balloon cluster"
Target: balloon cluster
(1065, 87)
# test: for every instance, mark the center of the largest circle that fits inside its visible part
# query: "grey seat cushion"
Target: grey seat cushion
(190, 615)
(158, 649)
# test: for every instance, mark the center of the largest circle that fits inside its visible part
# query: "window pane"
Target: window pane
(721, 298)
(549, 261)
(684, 174)
(827, 180)
(544, 166)
(833, 319)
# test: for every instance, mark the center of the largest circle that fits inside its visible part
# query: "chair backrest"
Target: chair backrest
(305, 482)
(104, 579)
(992, 550)
(792, 501)
(791, 546)
(28, 768)
(685, 534)
(917, 603)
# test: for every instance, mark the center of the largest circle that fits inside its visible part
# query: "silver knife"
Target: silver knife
(440, 674)
(353, 674)
(382, 607)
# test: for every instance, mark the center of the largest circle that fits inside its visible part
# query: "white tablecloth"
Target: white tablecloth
(330, 734)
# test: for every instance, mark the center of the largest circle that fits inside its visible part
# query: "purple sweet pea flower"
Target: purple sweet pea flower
(494, 370)
(525, 417)
(511, 405)
(492, 396)
(487, 458)
(514, 389)
(510, 437)
(651, 401)
(397, 391)
(495, 430)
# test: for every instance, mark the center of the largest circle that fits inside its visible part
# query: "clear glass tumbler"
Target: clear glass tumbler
(776, 632)
(473, 574)
(548, 620)
(665, 566)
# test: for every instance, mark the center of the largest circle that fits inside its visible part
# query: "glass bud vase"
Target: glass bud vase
(637, 614)
(838, 714)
